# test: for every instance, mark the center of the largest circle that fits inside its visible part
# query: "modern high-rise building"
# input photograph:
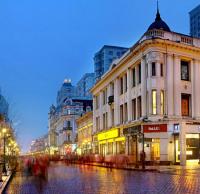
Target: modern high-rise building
(4, 107)
(195, 22)
(66, 90)
(104, 58)
(84, 85)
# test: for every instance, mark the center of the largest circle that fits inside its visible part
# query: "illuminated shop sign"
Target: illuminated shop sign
(155, 128)
(108, 135)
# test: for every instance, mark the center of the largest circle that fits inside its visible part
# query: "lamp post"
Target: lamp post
(4, 151)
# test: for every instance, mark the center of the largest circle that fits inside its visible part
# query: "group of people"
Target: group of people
(35, 166)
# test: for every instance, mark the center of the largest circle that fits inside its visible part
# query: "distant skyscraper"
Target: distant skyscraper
(84, 85)
(195, 22)
(67, 90)
(4, 107)
(104, 58)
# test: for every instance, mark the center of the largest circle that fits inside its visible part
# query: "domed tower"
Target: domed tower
(159, 24)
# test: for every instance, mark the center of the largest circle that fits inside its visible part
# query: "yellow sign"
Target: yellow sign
(108, 135)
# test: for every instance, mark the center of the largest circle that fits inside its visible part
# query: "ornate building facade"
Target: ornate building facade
(149, 100)
(62, 119)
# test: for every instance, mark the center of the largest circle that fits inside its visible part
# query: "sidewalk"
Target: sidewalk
(6, 180)
(172, 169)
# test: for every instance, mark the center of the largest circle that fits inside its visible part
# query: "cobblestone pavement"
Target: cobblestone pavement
(78, 179)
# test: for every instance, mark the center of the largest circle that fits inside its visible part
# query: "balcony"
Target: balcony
(67, 128)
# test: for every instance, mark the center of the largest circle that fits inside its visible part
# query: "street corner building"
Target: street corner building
(149, 100)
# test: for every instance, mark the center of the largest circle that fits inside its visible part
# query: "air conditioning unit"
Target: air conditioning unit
(110, 100)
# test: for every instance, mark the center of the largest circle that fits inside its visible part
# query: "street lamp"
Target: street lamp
(4, 150)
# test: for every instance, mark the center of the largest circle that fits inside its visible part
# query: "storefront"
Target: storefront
(133, 134)
(111, 142)
(187, 143)
(192, 148)
(156, 142)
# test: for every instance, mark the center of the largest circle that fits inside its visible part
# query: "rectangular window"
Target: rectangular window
(185, 104)
(134, 109)
(125, 83)
(121, 85)
(161, 70)
(113, 116)
(104, 101)
(139, 106)
(112, 89)
(139, 74)
(97, 123)
(133, 72)
(162, 102)
(121, 114)
(154, 102)
(104, 121)
(125, 112)
(97, 101)
(185, 70)
(153, 69)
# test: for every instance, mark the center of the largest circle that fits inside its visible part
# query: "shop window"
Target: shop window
(134, 78)
(134, 109)
(162, 102)
(155, 149)
(110, 148)
(153, 69)
(185, 104)
(185, 70)
(192, 143)
(139, 107)
(120, 145)
(154, 102)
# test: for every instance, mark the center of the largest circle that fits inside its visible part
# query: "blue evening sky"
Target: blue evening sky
(44, 41)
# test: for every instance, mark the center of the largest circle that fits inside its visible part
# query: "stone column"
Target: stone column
(170, 82)
(177, 87)
(182, 140)
(149, 88)
(129, 100)
(143, 87)
(196, 89)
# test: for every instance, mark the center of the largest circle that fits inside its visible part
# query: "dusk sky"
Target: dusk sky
(43, 42)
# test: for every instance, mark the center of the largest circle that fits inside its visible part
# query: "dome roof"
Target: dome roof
(159, 24)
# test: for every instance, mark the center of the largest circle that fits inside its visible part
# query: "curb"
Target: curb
(121, 168)
(5, 184)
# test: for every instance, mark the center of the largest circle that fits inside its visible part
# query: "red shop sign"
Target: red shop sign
(155, 128)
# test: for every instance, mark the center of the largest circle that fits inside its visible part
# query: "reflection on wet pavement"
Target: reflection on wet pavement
(68, 179)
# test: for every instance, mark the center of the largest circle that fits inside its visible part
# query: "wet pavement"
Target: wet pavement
(78, 179)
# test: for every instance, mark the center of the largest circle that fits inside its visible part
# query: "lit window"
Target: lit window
(154, 102)
(162, 102)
